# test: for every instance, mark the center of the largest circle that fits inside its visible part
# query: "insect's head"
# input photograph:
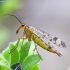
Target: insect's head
(22, 26)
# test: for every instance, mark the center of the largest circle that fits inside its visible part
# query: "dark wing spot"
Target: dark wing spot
(50, 39)
(63, 44)
(43, 31)
(44, 35)
(48, 42)
(55, 38)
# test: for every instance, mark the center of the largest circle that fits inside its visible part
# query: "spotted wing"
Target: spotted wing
(46, 36)
(53, 39)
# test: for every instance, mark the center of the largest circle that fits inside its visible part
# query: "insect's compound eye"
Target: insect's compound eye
(16, 66)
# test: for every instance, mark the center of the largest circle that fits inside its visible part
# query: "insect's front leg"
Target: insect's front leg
(22, 37)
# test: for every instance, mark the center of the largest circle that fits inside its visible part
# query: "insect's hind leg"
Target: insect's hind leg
(37, 51)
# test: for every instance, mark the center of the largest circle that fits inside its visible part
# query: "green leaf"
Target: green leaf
(35, 67)
(22, 54)
(32, 47)
(14, 54)
(1, 57)
(4, 65)
(24, 51)
(6, 54)
(30, 61)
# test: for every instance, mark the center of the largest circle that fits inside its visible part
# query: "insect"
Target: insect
(40, 38)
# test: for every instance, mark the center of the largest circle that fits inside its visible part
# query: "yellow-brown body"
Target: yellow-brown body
(30, 35)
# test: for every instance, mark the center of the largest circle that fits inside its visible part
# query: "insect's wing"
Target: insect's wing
(46, 36)
(53, 39)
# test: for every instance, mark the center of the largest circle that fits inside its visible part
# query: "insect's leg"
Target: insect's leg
(17, 43)
(23, 41)
(35, 48)
(15, 46)
(37, 51)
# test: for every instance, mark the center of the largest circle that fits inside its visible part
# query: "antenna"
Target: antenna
(19, 19)
(15, 17)
(17, 13)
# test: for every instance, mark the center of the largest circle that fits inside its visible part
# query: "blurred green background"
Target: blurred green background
(51, 16)
(6, 7)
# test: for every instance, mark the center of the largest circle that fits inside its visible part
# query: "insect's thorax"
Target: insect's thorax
(28, 33)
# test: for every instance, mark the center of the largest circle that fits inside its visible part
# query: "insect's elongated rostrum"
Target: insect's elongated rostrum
(41, 38)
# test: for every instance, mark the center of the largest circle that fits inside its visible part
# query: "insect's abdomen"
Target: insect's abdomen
(39, 42)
